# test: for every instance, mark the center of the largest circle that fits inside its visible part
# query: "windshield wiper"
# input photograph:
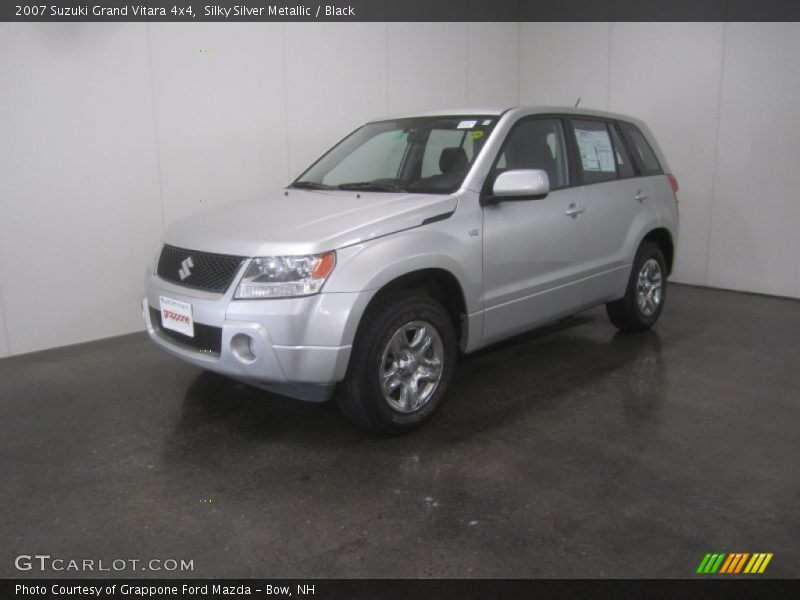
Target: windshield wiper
(371, 186)
(311, 185)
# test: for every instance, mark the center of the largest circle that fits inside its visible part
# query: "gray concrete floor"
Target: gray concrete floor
(569, 452)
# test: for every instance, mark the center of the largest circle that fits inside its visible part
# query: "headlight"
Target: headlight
(284, 276)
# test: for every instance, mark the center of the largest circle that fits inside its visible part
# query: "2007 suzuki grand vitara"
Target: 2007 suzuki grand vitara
(414, 238)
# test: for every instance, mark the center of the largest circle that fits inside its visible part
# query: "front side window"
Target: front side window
(425, 154)
(537, 144)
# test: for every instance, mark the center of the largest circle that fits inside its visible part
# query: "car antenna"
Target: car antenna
(578, 102)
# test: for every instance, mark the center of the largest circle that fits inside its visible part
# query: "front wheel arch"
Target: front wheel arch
(437, 283)
(361, 396)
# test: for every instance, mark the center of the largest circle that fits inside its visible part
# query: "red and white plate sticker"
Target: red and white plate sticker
(177, 316)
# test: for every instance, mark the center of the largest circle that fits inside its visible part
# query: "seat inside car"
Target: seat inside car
(453, 161)
(528, 149)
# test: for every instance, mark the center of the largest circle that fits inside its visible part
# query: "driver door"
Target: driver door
(533, 250)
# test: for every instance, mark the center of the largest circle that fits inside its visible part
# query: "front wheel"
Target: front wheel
(644, 297)
(401, 364)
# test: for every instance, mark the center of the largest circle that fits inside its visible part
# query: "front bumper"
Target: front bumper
(298, 347)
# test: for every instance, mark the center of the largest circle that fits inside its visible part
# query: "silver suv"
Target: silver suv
(412, 240)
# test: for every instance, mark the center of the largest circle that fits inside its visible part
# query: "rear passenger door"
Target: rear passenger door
(617, 203)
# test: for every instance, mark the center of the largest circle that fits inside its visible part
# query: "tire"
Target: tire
(404, 337)
(646, 293)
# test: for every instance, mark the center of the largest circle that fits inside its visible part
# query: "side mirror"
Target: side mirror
(521, 184)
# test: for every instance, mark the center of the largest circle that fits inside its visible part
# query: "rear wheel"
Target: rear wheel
(401, 364)
(644, 297)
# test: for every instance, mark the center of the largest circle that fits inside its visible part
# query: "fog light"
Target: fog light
(242, 348)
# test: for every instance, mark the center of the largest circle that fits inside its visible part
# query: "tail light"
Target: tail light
(673, 182)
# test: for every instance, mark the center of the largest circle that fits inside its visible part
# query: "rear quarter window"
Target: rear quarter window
(643, 154)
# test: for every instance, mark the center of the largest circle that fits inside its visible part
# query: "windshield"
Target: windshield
(424, 154)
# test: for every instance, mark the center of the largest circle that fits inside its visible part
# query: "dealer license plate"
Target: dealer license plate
(177, 316)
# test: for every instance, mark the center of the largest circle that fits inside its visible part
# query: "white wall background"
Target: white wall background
(110, 131)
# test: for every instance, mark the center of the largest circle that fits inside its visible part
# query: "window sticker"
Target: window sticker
(476, 134)
(467, 124)
(596, 151)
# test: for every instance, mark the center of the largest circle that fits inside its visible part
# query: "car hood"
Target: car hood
(293, 221)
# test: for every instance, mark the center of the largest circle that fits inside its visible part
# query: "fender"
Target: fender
(446, 245)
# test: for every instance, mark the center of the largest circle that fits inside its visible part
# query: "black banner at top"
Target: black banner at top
(398, 10)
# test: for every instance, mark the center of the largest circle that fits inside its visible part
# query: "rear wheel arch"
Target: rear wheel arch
(641, 306)
(663, 239)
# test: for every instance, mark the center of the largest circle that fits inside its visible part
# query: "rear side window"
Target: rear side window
(596, 159)
(643, 154)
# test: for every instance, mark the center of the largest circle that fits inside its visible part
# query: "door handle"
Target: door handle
(640, 196)
(573, 211)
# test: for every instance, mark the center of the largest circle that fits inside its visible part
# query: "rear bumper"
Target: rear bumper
(298, 347)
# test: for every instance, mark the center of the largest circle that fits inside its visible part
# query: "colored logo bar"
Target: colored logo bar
(733, 563)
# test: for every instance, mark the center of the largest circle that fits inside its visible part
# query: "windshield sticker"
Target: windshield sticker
(487, 122)
(467, 124)
(475, 134)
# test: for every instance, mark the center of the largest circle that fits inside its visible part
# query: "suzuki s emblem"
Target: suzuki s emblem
(185, 269)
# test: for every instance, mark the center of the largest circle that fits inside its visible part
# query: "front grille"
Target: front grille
(198, 270)
(206, 338)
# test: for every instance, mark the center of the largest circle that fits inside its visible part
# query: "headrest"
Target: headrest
(452, 160)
